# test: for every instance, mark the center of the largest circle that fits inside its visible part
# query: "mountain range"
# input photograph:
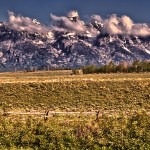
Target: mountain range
(69, 43)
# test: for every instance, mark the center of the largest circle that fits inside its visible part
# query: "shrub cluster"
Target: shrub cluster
(137, 66)
(106, 133)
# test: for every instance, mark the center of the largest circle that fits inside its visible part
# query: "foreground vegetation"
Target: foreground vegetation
(116, 132)
(61, 91)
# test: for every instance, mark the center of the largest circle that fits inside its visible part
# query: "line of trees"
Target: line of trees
(137, 66)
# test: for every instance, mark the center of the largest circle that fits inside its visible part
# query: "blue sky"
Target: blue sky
(138, 10)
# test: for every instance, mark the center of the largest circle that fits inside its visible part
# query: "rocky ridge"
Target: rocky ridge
(24, 50)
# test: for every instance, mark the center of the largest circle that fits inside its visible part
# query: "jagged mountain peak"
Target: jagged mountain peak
(1, 23)
(36, 22)
(73, 15)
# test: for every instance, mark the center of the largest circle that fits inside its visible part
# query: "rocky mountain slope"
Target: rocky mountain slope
(60, 46)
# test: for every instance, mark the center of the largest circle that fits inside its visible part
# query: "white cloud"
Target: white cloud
(25, 24)
(64, 24)
(111, 25)
(125, 25)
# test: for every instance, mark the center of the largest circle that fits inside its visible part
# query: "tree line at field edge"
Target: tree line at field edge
(123, 67)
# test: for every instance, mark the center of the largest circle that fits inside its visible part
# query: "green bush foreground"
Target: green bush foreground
(115, 132)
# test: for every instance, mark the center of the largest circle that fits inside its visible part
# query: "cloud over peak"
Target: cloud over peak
(125, 25)
(25, 24)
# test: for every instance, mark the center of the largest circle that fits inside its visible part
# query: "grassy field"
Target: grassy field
(61, 91)
(65, 75)
(76, 133)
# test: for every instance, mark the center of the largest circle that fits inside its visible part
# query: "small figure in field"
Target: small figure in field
(98, 115)
(46, 115)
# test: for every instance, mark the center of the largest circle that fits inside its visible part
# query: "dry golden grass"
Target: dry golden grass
(59, 90)
(65, 75)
